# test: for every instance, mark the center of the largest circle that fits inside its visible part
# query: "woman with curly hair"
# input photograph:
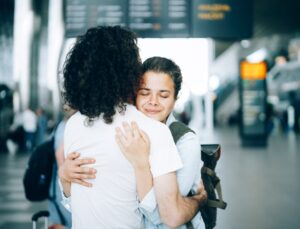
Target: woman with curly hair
(101, 77)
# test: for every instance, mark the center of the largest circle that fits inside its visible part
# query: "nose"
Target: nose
(153, 100)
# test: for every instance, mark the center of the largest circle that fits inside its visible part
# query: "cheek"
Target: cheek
(169, 105)
(139, 102)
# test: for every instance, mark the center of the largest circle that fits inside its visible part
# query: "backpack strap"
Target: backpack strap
(218, 203)
(178, 129)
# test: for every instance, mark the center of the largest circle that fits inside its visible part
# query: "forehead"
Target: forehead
(157, 80)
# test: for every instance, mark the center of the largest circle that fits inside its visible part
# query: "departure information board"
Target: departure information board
(226, 19)
(163, 18)
(159, 18)
(81, 15)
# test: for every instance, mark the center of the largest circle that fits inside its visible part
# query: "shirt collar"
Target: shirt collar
(170, 119)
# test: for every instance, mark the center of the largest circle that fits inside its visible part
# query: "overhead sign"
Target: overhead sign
(163, 18)
(160, 18)
(226, 19)
(81, 15)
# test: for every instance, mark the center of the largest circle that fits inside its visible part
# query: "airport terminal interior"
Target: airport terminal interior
(241, 89)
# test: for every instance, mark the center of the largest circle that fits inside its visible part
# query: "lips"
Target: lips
(152, 111)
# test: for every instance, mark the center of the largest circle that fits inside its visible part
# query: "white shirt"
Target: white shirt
(112, 201)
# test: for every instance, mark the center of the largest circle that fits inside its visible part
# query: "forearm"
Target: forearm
(66, 188)
(180, 212)
(143, 181)
(174, 209)
(65, 184)
(187, 207)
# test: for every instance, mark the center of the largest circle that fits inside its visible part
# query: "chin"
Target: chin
(153, 117)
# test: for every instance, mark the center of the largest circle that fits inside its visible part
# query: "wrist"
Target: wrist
(64, 181)
(142, 167)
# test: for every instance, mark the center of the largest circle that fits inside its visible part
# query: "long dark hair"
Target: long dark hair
(102, 72)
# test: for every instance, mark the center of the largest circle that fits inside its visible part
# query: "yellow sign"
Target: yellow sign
(253, 71)
(213, 11)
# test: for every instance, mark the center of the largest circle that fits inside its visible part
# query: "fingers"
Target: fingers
(120, 138)
(145, 137)
(128, 131)
(73, 156)
(85, 171)
(84, 161)
(86, 175)
(135, 129)
(82, 174)
(82, 182)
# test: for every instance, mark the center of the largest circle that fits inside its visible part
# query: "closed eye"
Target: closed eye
(144, 92)
(164, 94)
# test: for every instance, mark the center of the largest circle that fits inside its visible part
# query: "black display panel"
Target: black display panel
(83, 14)
(254, 107)
(253, 102)
(160, 18)
(224, 19)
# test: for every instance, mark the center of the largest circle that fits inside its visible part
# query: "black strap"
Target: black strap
(218, 203)
(178, 129)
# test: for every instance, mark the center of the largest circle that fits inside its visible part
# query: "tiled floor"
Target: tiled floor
(15, 210)
(260, 185)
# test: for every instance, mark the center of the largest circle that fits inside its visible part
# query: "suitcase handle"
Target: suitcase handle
(40, 214)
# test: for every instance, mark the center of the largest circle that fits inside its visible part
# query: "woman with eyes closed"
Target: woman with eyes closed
(156, 97)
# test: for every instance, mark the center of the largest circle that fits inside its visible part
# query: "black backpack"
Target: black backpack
(38, 174)
(210, 154)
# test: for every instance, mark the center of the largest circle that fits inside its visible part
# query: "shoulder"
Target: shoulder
(179, 130)
(186, 139)
(74, 120)
(190, 138)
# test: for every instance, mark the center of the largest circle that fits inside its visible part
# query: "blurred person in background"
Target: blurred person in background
(30, 127)
(16, 136)
(42, 125)
(6, 114)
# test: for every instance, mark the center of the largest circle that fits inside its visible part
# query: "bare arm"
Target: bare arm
(174, 209)
(135, 145)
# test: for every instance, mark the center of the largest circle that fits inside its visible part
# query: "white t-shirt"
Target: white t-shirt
(112, 201)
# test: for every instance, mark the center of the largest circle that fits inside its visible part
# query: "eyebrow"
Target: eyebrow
(148, 89)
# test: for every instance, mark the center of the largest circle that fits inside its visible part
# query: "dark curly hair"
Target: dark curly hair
(102, 72)
(163, 65)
